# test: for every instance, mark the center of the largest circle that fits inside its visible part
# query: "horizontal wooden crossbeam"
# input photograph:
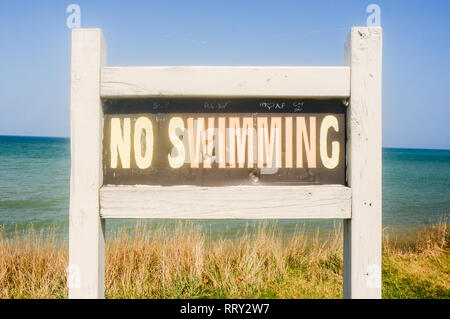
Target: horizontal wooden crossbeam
(237, 202)
(317, 82)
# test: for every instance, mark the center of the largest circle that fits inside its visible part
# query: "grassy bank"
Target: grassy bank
(151, 264)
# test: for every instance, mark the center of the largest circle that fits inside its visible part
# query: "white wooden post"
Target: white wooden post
(86, 228)
(362, 233)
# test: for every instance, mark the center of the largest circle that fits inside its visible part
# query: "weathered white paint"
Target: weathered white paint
(362, 234)
(226, 81)
(86, 229)
(237, 202)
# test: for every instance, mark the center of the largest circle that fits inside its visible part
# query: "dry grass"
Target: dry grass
(32, 266)
(186, 264)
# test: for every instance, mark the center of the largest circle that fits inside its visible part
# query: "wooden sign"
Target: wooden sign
(217, 142)
(226, 143)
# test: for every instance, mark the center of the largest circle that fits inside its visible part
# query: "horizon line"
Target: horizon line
(68, 137)
(394, 147)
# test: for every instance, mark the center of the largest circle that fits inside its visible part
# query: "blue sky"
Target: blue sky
(35, 52)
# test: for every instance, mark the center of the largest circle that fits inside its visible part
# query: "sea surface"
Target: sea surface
(35, 175)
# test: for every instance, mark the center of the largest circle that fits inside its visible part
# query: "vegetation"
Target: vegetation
(186, 264)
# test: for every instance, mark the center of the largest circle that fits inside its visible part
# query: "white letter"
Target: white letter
(329, 162)
(197, 142)
(272, 144)
(120, 142)
(241, 135)
(176, 123)
(310, 144)
(143, 124)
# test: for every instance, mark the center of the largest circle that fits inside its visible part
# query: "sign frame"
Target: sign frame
(358, 203)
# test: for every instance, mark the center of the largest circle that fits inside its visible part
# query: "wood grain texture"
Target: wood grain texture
(240, 202)
(362, 234)
(226, 81)
(86, 229)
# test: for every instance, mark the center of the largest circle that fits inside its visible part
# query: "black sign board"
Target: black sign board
(223, 141)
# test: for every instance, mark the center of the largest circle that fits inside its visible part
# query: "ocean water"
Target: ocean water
(35, 175)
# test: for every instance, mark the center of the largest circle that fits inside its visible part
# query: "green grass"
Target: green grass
(416, 276)
(263, 265)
